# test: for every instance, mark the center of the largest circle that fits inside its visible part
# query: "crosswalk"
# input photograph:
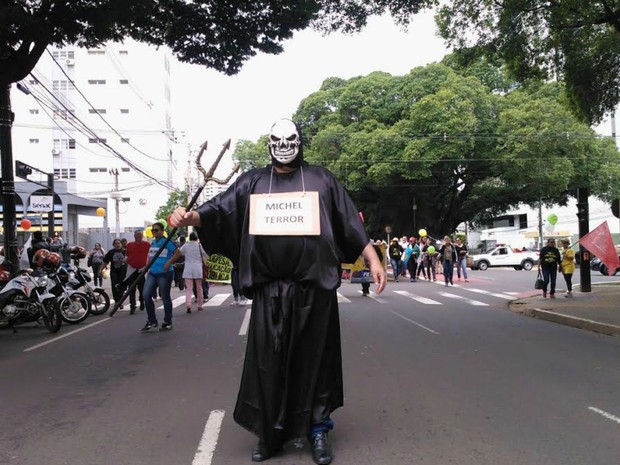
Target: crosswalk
(348, 296)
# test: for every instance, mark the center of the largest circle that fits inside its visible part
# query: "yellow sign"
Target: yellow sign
(219, 268)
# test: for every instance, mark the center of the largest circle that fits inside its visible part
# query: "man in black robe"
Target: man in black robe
(288, 253)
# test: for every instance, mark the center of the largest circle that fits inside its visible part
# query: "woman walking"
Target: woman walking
(116, 259)
(192, 271)
(447, 252)
(567, 266)
(95, 261)
(461, 263)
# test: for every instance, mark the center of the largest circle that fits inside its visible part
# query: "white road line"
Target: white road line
(342, 299)
(58, 338)
(246, 322)
(209, 438)
(420, 325)
(374, 296)
(609, 416)
(216, 300)
(175, 302)
(494, 294)
(420, 299)
(469, 301)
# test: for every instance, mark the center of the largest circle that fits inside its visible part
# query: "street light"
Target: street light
(414, 208)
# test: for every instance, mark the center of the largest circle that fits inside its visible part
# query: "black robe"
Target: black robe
(292, 375)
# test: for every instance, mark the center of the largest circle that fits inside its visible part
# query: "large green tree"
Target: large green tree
(456, 142)
(576, 41)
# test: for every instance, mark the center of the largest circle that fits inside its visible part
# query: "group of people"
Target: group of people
(422, 257)
(551, 262)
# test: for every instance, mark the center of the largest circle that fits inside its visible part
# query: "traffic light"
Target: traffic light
(22, 170)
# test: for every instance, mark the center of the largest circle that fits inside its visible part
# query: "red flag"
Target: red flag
(600, 243)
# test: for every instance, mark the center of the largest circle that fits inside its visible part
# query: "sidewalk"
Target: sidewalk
(597, 311)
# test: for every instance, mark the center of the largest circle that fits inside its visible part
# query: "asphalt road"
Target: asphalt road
(433, 375)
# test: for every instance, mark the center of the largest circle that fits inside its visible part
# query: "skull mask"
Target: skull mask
(285, 144)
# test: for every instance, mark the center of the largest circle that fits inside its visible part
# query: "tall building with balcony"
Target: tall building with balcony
(99, 119)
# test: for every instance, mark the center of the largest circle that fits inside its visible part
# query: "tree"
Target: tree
(463, 150)
(573, 40)
(218, 34)
(251, 155)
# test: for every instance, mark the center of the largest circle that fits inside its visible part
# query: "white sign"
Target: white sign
(41, 203)
(287, 214)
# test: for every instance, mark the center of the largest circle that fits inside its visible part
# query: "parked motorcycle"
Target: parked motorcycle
(25, 298)
(74, 305)
(79, 279)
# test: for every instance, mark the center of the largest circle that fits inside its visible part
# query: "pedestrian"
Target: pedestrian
(412, 252)
(38, 243)
(567, 266)
(461, 263)
(448, 257)
(422, 258)
(137, 257)
(395, 252)
(95, 261)
(292, 374)
(193, 253)
(179, 266)
(115, 258)
(549, 262)
(159, 278)
(238, 297)
(403, 267)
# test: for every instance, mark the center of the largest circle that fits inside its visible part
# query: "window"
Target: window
(71, 143)
(97, 141)
(34, 111)
(96, 82)
(124, 110)
(123, 52)
(98, 170)
(96, 52)
(72, 173)
(34, 141)
(124, 81)
(125, 140)
(125, 170)
(100, 111)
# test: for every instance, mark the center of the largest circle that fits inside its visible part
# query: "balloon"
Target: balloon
(163, 223)
(148, 232)
(549, 227)
(552, 218)
(422, 232)
(431, 249)
(25, 224)
(100, 211)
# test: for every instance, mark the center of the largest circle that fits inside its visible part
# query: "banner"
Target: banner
(220, 269)
(41, 203)
(600, 243)
(358, 272)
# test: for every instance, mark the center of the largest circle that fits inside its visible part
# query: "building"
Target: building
(99, 119)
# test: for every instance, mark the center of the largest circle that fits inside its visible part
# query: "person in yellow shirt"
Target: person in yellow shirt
(567, 266)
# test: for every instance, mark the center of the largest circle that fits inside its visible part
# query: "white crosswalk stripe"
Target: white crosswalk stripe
(465, 299)
(217, 299)
(494, 294)
(418, 298)
(175, 302)
(342, 299)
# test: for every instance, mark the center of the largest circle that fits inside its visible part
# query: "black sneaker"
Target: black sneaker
(132, 310)
(148, 326)
(166, 327)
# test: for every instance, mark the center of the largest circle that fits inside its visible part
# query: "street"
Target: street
(433, 375)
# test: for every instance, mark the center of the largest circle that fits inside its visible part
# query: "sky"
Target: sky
(210, 105)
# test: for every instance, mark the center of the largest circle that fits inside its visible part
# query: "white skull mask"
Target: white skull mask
(284, 141)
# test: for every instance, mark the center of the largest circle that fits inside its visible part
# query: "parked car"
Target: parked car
(503, 255)
(605, 272)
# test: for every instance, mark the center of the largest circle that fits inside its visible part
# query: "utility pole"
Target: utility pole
(583, 215)
(116, 195)
(8, 180)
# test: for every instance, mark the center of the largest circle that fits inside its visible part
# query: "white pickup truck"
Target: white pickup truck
(503, 255)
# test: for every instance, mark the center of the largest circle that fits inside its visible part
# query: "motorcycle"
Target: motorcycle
(99, 298)
(75, 306)
(26, 298)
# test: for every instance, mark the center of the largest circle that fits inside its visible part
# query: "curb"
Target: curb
(575, 322)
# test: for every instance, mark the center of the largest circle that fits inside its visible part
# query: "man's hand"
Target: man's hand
(376, 268)
(181, 217)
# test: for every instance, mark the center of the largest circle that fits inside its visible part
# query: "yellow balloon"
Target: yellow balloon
(100, 211)
(148, 232)
(422, 232)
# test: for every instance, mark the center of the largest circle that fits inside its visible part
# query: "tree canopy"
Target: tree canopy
(218, 34)
(453, 141)
(575, 41)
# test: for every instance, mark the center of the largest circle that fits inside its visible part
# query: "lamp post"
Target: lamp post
(414, 208)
